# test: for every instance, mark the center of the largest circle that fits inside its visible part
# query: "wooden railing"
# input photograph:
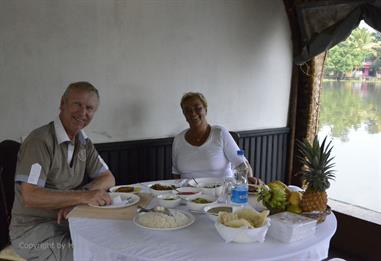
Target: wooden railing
(146, 160)
(266, 151)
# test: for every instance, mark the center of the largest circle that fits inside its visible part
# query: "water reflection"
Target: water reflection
(349, 105)
(350, 114)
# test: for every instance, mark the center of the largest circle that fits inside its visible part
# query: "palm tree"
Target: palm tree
(363, 45)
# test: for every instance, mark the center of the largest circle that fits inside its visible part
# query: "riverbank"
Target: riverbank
(368, 79)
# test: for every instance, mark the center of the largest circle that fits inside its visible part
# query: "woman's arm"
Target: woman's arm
(230, 150)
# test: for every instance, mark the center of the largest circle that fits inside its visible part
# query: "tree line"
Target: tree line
(348, 57)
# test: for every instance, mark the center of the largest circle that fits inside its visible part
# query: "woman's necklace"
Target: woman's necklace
(199, 138)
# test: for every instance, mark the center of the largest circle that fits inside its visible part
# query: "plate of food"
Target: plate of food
(158, 188)
(120, 200)
(126, 189)
(160, 221)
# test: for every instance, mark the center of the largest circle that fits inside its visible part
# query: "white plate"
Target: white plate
(295, 188)
(132, 199)
(191, 219)
(137, 188)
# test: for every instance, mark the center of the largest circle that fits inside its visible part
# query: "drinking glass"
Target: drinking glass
(225, 193)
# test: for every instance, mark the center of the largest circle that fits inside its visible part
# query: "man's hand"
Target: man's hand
(97, 198)
(62, 214)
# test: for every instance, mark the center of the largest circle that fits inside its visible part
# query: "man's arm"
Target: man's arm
(104, 181)
(37, 197)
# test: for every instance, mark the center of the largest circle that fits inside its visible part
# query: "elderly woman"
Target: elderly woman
(202, 150)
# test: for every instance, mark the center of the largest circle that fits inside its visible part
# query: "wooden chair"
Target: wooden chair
(8, 158)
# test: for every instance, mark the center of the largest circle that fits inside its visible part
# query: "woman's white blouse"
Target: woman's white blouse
(214, 158)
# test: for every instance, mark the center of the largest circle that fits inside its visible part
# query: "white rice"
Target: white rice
(160, 220)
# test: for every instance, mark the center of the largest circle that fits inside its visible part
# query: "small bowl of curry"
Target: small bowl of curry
(160, 188)
(200, 202)
(213, 210)
(126, 189)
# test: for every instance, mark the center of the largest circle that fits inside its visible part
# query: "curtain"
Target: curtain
(323, 24)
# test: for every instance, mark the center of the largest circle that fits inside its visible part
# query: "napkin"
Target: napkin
(118, 200)
(85, 211)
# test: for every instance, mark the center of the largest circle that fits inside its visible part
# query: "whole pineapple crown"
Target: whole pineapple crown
(318, 165)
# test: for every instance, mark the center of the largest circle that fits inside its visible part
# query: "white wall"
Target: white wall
(143, 55)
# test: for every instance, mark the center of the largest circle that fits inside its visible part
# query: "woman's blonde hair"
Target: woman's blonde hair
(191, 95)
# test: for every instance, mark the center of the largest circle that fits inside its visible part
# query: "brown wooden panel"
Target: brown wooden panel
(357, 238)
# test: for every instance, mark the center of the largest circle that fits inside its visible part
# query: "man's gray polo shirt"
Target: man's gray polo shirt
(43, 161)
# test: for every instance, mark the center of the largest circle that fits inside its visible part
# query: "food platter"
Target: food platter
(190, 221)
(129, 189)
(127, 199)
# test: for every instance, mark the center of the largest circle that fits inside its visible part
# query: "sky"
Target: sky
(365, 25)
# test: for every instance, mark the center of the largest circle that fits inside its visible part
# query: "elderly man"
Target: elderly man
(53, 164)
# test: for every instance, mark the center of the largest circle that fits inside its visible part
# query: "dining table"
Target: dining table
(111, 234)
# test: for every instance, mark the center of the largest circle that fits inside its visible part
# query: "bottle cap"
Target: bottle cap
(240, 152)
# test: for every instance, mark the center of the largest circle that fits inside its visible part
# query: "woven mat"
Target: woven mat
(84, 211)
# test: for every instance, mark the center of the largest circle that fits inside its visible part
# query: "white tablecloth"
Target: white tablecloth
(96, 239)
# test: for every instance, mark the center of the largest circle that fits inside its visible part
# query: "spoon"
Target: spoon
(195, 181)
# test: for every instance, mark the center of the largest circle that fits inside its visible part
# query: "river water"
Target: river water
(350, 114)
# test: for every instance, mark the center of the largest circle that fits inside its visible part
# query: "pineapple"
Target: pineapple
(317, 171)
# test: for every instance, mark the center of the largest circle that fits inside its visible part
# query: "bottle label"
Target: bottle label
(239, 195)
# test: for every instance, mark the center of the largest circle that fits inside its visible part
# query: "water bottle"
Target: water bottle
(240, 188)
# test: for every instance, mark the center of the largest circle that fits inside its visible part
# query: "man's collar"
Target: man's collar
(62, 135)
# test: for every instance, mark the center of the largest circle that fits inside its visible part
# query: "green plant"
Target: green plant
(317, 172)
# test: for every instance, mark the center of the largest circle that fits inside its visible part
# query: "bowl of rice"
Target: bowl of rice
(160, 221)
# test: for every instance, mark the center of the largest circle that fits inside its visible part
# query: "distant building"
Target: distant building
(365, 69)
